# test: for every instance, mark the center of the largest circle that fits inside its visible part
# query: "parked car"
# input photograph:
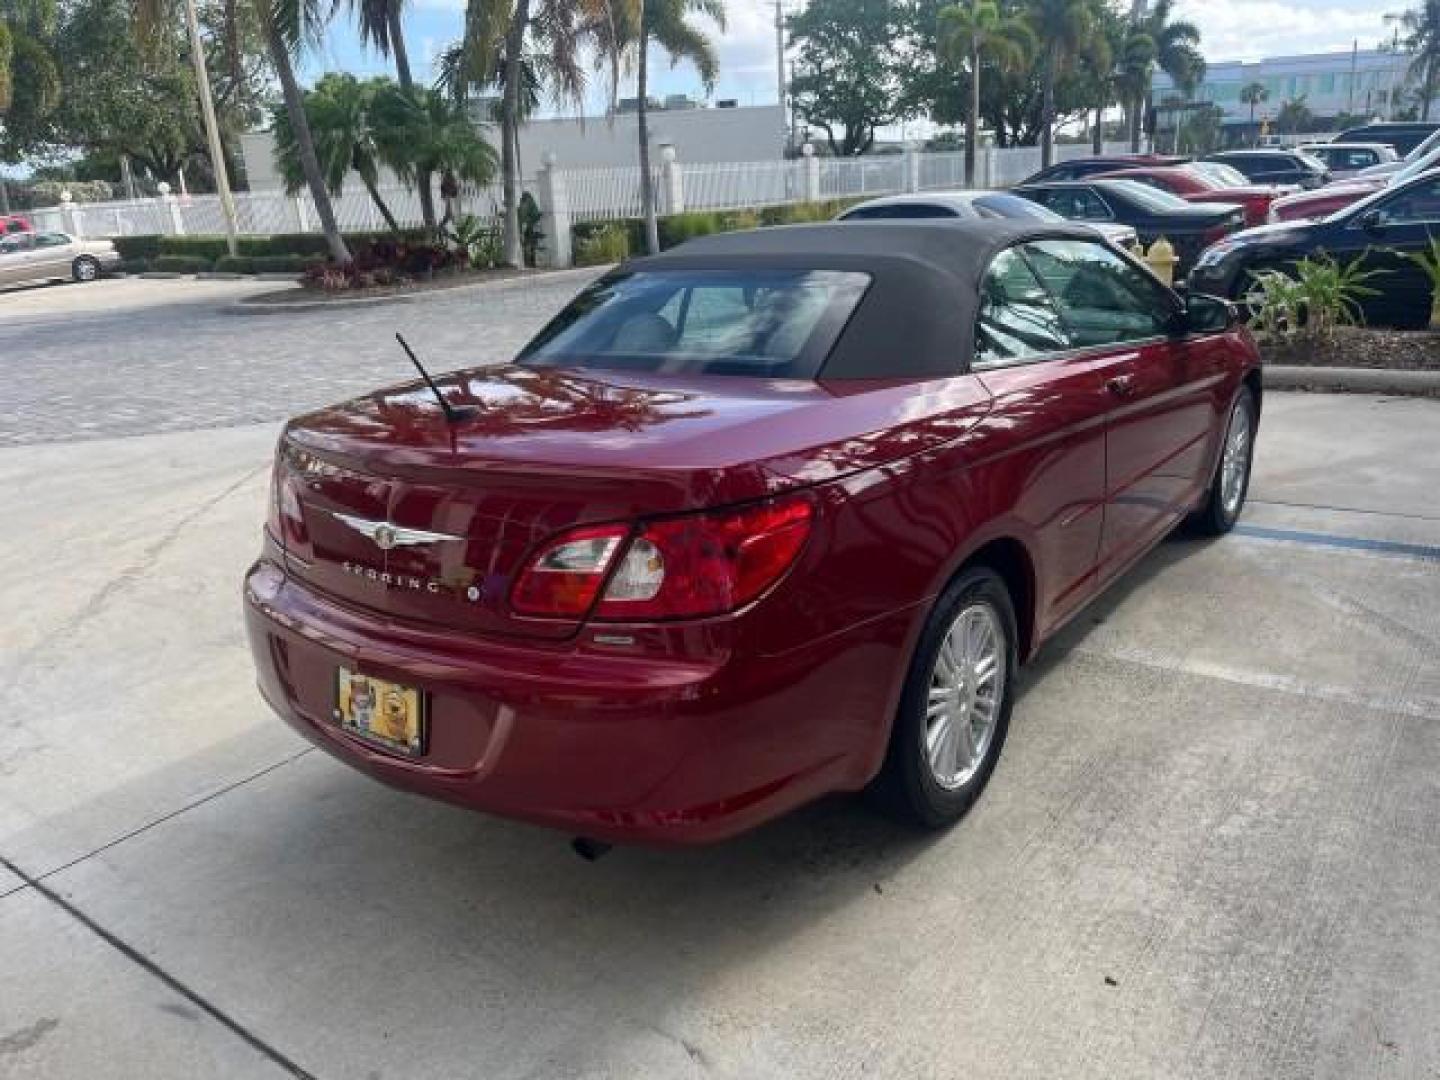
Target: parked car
(1377, 231)
(771, 515)
(1079, 168)
(1321, 203)
(14, 223)
(1403, 135)
(972, 204)
(1189, 227)
(1197, 186)
(1348, 159)
(30, 256)
(1275, 166)
(1390, 168)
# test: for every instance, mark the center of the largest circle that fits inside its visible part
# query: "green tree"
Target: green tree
(1421, 28)
(1064, 28)
(972, 34)
(426, 131)
(1176, 52)
(1097, 66)
(30, 86)
(1254, 94)
(340, 113)
(382, 27)
(1136, 72)
(850, 69)
(668, 24)
(1294, 116)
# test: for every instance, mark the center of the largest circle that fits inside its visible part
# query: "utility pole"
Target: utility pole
(1394, 67)
(212, 130)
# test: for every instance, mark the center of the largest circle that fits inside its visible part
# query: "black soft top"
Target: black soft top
(917, 317)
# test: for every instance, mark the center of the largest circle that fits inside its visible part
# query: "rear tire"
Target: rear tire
(1231, 481)
(84, 269)
(955, 710)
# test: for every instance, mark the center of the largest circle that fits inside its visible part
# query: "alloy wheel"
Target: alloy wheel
(1235, 463)
(966, 689)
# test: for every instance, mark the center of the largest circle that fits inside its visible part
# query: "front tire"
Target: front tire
(955, 711)
(84, 269)
(1231, 481)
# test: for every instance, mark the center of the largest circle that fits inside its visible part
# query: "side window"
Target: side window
(51, 240)
(1079, 204)
(1418, 206)
(1017, 319)
(1102, 297)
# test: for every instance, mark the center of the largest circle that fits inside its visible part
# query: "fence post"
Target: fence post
(553, 199)
(302, 219)
(812, 174)
(177, 222)
(672, 183)
(911, 161)
(71, 216)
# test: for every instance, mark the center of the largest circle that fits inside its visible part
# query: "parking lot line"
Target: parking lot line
(1424, 552)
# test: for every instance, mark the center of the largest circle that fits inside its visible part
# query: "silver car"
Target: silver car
(38, 256)
(974, 204)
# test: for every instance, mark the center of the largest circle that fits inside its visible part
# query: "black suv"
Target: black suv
(1403, 136)
(1276, 166)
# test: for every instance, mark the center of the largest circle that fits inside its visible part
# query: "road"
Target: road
(1209, 848)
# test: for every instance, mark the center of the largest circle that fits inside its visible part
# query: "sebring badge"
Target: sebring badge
(387, 536)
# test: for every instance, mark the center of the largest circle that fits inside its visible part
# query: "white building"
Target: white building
(698, 135)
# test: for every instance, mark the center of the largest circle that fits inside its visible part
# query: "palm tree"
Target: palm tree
(501, 37)
(1253, 94)
(1176, 52)
(339, 110)
(1097, 61)
(424, 131)
(382, 28)
(667, 23)
(970, 34)
(1421, 27)
(1063, 26)
(1137, 68)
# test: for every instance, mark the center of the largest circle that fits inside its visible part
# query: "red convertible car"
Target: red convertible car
(772, 515)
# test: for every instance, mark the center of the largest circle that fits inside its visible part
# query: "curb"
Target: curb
(252, 304)
(1352, 380)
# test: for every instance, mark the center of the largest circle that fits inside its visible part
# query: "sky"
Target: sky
(1231, 29)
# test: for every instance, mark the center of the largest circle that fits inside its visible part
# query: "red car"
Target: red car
(1324, 201)
(1192, 185)
(772, 515)
(14, 223)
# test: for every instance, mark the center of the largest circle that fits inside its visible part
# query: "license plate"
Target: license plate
(382, 712)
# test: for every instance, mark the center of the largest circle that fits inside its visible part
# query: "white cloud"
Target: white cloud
(1252, 29)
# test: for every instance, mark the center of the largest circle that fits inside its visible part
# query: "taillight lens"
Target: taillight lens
(285, 519)
(701, 564)
(565, 578)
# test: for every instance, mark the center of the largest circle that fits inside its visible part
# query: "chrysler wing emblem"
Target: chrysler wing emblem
(387, 536)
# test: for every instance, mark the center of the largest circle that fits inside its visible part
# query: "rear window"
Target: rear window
(900, 211)
(1147, 197)
(774, 324)
(1012, 206)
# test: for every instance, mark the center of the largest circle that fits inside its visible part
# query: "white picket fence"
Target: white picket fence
(575, 194)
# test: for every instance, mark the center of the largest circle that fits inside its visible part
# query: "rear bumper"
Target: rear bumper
(677, 749)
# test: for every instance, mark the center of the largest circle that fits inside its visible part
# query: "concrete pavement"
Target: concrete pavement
(1209, 848)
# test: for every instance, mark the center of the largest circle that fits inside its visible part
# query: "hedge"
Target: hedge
(212, 248)
(182, 264)
(610, 241)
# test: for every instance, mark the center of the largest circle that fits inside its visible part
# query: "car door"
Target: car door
(1160, 412)
(53, 255)
(1048, 428)
(1389, 230)
(16, 253)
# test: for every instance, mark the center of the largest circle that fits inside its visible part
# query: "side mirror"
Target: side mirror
(1208, 314)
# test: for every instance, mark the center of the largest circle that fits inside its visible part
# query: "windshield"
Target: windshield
(1222, 173)
(1416, 167)
(774, 324)
(1013, 206)
(1147, 197)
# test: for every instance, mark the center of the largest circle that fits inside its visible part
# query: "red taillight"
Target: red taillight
(285, 519)
(702, 564)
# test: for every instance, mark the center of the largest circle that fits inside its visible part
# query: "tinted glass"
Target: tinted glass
(1218, 170)
(1418, 206)
(1102, 297)
(53, 239)
(1017, 319)
(1147, 197)
(767, 324)
(1077, 204)
(1011, 206)
(900, 211)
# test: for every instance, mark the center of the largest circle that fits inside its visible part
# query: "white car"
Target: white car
(973, 204)
(1345, 160)
(38, 256)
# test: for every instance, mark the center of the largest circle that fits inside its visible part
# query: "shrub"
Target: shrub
(386, 261)
(133, 266)
(138, 247)
(182, 264)
(607, 244)
(235, 264)
(281, 264)
(678, 228)
(1311, 302)
(1428, 263)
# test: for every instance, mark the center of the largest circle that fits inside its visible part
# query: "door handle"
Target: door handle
(1122, 386)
